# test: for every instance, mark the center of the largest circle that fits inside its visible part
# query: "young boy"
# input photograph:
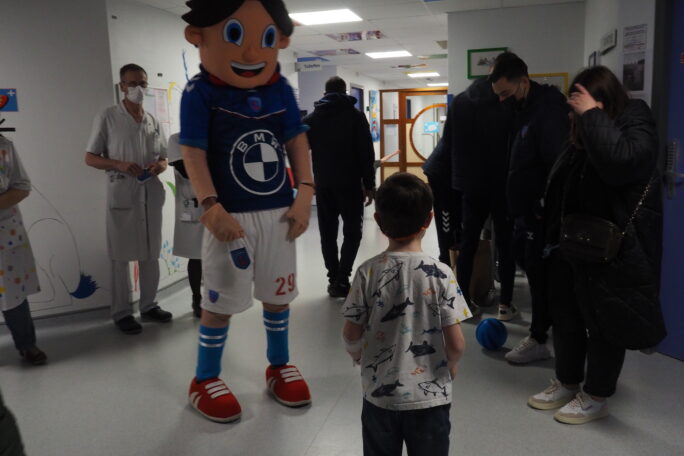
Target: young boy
(403, 326)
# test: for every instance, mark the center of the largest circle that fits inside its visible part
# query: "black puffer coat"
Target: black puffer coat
(607, 178)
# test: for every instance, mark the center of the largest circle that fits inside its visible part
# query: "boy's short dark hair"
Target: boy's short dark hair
(335, 85)
(403, 204)
(508, 65)
(205, 13)
(130, 67)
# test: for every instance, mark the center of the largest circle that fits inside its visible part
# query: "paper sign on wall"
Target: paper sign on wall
(8, 100)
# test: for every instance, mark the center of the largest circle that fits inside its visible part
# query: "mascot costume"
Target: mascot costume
(239, 118)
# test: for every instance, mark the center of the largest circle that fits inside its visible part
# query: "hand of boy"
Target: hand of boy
(298, 215)
(221, 224)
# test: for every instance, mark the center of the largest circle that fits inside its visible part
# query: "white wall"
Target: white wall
(56, 54)
(603, 16)
(549, 38)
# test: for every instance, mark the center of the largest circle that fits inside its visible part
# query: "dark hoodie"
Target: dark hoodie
(541, 133)
(477, 133)
(341, 144)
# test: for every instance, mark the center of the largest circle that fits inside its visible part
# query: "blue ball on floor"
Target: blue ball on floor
(491, 334)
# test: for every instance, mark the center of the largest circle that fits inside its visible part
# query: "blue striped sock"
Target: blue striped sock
(211, 343)
(276, 324)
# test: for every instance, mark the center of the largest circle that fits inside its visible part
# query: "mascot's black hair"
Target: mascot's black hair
(205, 13)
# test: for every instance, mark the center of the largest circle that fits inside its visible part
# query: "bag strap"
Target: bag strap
(639, 204)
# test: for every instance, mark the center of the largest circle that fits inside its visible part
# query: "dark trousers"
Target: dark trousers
(476, 210)
(10, 440)
(20, 324)
(576, 340)
(448, 218)
(195, 277)
(425, 431)
(333, 203)
(529, 245)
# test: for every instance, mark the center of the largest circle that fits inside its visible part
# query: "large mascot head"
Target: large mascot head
(239, 40)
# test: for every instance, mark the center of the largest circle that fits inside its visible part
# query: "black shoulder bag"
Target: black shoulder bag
(593, 239)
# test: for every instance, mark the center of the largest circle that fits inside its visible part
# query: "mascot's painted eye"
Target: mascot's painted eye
(269, 38)
(234, 32)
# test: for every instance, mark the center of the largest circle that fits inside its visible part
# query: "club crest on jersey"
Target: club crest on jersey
(257, 163)
(240, 258)
(254, 103)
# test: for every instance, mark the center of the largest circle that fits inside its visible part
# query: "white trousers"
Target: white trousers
(121, 287)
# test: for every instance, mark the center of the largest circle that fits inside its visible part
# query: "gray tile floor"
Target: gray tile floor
(105, 393)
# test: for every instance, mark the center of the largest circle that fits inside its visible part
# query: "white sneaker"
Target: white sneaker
(528, 350)
(507, 313)
(582, 409)
(552, 397)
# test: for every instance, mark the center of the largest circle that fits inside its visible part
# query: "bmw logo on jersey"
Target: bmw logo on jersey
(257, 164)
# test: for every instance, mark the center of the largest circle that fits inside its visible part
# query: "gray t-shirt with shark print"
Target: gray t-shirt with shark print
(404, 299)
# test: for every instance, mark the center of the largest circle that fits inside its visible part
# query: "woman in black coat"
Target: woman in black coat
(602, 307)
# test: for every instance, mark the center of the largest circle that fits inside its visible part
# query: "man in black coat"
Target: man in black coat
(342, 156)
(10, 440)
(540, 133)
(476, 133)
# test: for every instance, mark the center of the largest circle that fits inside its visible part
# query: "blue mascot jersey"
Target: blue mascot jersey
(244, 132)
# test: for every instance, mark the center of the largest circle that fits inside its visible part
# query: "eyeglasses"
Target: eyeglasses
(142, 84)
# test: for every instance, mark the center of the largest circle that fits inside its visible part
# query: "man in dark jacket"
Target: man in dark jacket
(476, 133)
(447, 201)
(342, 156)
(540, 132)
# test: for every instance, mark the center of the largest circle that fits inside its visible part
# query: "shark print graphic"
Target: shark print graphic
(448, 301)
(388, 276)
(386, 390)
(421, 350)
(433, 330)
(434, 308)
(355, 311)
(433, 388)
(385, 355)
(431, 270)
(397, 311)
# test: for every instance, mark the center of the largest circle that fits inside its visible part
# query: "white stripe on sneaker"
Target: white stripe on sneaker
(292, 379)
(220, 393)
(288, 370)
(214, 384)
(217, 388)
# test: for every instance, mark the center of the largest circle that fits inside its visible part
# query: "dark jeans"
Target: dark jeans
(476, 210)
(425, 431)
(529, 245)
(195, 277)
(332, 203)
(576, 341)
(10, 440)
(448, 218)
(20, 324)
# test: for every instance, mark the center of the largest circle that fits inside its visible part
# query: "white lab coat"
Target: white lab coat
(188, 231)
(134, 209)
(18, 275)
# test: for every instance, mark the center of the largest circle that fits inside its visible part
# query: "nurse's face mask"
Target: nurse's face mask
(134, 84)
(242, 50)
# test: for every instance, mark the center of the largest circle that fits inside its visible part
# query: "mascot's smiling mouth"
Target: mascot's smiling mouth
(247, 71)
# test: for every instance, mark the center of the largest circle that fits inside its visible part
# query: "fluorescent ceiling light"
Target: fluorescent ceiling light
(388, 54)
(424, 75)
(326, 17)
(439, 84)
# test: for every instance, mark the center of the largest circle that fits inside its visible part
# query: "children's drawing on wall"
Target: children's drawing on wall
(60, 271)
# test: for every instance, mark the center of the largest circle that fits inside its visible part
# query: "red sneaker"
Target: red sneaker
(288, 386)
(213, 399)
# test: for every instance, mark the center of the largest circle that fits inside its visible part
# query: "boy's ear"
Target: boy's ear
(283, 42)
(428, 220)
(193, 35)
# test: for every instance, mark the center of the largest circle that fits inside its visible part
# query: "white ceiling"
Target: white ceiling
(411, 25)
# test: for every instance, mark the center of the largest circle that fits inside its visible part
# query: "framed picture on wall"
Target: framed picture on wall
(592, 59)
(480, 60)
(558, 80)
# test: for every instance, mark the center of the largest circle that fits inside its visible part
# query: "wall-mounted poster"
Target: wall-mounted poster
(558, 80)
(634, 71)
(374, 114)
(480, 60)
